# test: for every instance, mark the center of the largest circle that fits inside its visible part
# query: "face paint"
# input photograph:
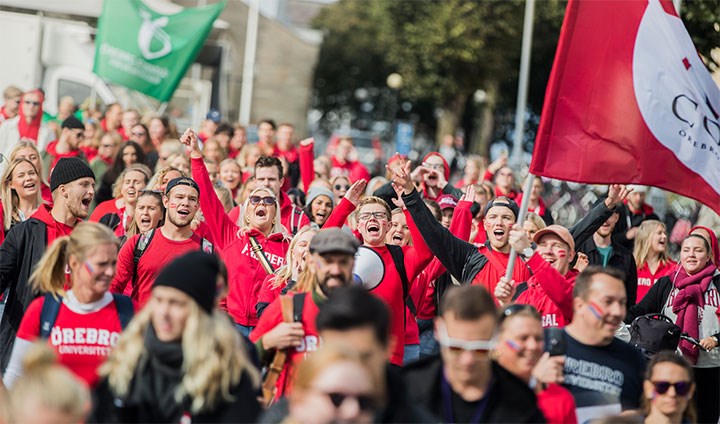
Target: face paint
(172, 205)
(89, 268)
(595, 310)
(512, 345)
(561, 253)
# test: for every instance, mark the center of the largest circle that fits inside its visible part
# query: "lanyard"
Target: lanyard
(447, 402)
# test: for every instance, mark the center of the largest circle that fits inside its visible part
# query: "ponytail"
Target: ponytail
(49, 275)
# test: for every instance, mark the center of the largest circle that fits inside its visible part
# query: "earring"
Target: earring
(247, 219)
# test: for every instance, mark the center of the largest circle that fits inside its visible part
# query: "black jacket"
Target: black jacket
(511, 400)
(629, 220)
(23, 247)
(387, 193)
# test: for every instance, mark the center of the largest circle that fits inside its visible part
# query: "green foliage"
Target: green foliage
(702, 20)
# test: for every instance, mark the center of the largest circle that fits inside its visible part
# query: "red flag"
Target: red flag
(629, 101)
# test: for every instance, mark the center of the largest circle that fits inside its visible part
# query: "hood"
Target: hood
(446, 167)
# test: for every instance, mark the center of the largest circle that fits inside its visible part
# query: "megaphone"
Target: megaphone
(369, 268)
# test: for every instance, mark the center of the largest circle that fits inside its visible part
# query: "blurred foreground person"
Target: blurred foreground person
(180, 360)
(334, 385)
(669, 386)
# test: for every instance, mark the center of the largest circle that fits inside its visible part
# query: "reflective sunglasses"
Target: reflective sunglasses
(377, 215)
(340, 187)
(267, 200)
(365, 402)
(682, 388)
(476, 347)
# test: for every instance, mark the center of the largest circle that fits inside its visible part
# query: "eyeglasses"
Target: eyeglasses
(682, 388)
(515, 308)
(340, 187)
(476, 347)
(365, 402)
(31, 103)
(267, 200)
(435, 166)
(377, 215)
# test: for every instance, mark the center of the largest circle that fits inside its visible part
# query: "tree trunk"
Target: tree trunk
(485, 121)
(450, 115)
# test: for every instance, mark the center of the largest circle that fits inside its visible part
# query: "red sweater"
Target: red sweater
(51, 149)
(82, 341)
(549, 292)
(307, 165)
(290, 215)
(158, 253)
(557, 404)
(109, 207)
(490, 274)
(311, 341)
(646, 279)
(353, 170)
(245, 273)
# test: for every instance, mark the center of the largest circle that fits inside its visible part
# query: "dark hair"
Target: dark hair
(704, 240)
(468, 303)
(352, 307)
(268, 121)
(269, 162)
(689, 415)
(118, 165)
(584, 279)
(434, 208)
(226, 128)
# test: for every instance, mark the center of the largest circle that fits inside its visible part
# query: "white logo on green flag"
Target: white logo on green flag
(147, 51)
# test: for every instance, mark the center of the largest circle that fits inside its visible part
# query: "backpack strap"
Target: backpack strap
(257, 248)
(295, 220)
(49, 313)
(298, 304)
(142, 244)
(399, 258)
(125, 309)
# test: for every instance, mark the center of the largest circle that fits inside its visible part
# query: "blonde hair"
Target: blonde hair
(536, 220)
(242, 157)
(24, 144)
(214, 358)
(49, 274)
(133, 227)
(156, 180)
(225, 196)
(11, 200)
(136, 167)
(373, 200)
(221, 150)
(48, 385)
(643, 243)
(232, 162)
(244, 219)
(284, 273)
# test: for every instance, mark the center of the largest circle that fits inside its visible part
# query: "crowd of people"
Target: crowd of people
(153, 276)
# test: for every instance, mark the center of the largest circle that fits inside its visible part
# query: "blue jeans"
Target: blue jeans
(428, 345)
(244, 329)
(412, 353)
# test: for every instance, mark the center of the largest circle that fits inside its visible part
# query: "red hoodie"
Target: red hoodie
(549, 292)
(353, 170)
(31, 130)
(109, 207)
(245, 273)
(52, 151)
(291, 217)
(55, 229)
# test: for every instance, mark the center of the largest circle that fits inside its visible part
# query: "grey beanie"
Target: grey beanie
(316, 191)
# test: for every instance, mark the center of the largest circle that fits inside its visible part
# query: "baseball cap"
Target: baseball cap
(504, 202)
(447, 201)
(214, 115)
(187, 181)
(334, 240)
(559, 231)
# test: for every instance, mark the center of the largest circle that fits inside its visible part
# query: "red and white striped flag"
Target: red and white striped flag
(629, 101)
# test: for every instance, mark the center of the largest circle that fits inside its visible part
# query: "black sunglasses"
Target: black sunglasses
(267, 200)
(365, 402)
(682, 388)
(340, 187)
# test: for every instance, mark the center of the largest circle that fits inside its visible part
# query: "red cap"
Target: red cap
(447, 201)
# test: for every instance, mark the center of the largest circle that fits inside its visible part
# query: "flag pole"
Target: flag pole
(527, 188)
(516, 159)
(162, 108)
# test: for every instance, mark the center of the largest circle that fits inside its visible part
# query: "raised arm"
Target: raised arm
(586, 227)
(307, 166)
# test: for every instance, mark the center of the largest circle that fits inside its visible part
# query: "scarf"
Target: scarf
(688, 302)
(31, 130)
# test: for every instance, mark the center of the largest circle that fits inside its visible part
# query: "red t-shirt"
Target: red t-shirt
(82, 341)
(646, 279)
(311, 341)
(557, 404)
(158, 253)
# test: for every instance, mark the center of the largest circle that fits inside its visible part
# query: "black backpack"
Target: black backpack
(653, 333)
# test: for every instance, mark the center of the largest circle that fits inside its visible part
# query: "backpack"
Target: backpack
(652, 333)
(51, 308)
(144, 242)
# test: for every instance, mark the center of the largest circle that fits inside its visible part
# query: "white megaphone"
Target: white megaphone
(369, 268)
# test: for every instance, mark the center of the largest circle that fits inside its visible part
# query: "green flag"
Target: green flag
(149, 52)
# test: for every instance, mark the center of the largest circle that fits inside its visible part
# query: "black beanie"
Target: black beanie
(73, 123)
(68, 170)
(194, 274)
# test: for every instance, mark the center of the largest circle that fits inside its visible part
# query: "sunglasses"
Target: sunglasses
(377, 215)
(682, 388)
(31, 103)
(433, 166)
(476, 347)
(267, 200)
(341, 187)
(365, 402)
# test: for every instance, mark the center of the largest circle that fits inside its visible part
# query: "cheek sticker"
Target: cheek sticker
(595, 309)
(89, 268)
(512, 345)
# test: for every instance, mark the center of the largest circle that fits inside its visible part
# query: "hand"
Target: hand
(356, 191)
(398, 201)
(401, 179)
(418, 174)
(442, 182)
(708, 343)
(549, 369)
(504, 291)
(469, 195)
(616, 194)
(284, 335)
(498, 163)
(582, 261)
(631, 233)
(190, 140)
(307, 142)
(519, 239)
